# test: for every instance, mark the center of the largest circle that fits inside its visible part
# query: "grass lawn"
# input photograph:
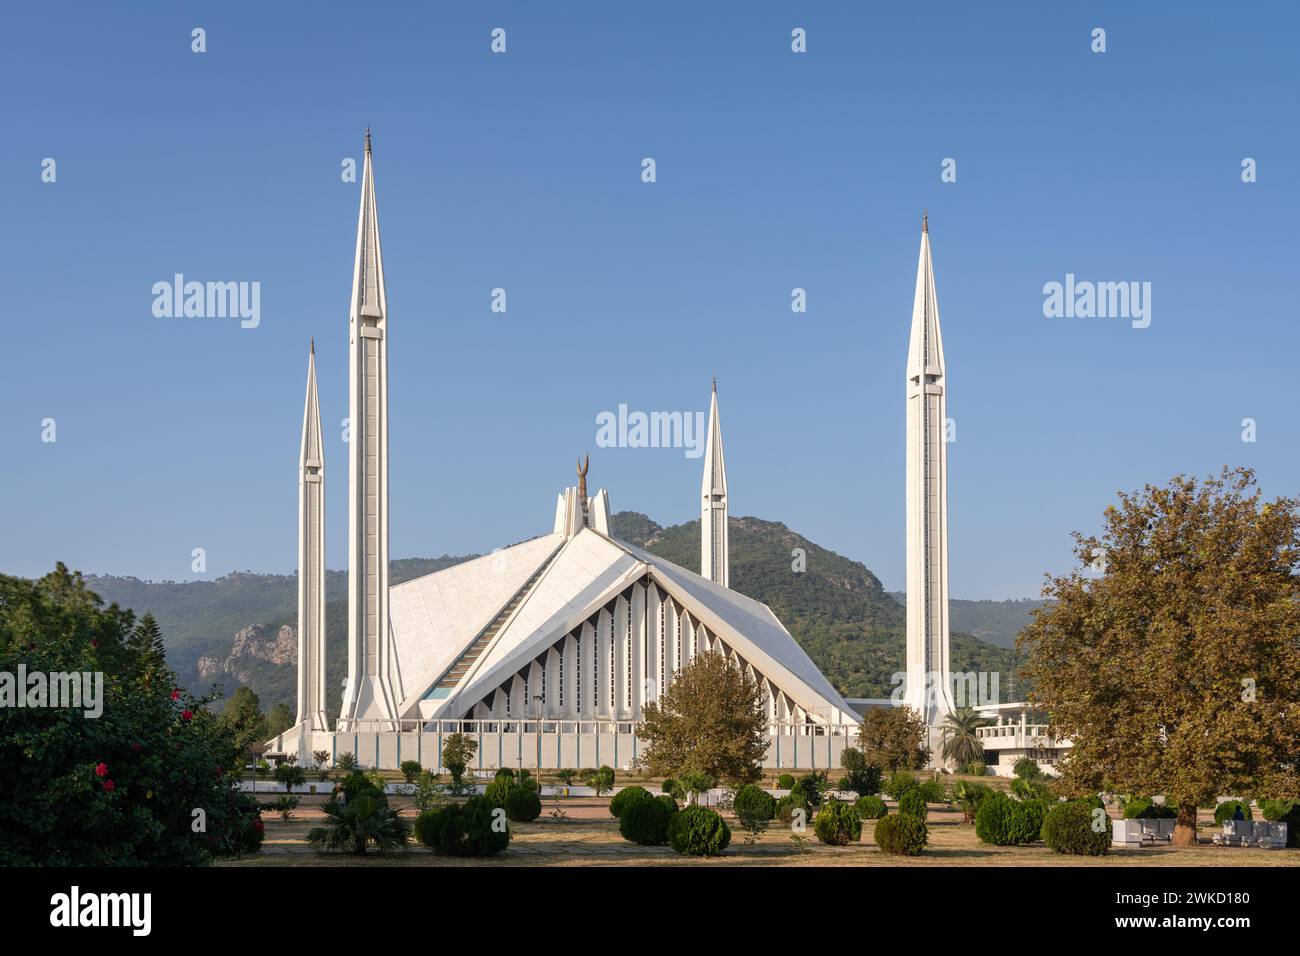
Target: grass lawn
(587, 835)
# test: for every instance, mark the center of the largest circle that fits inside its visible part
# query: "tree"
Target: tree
(457, 751)
(146, 643)
(321, 759)
(291, 775)
(242, 716)
(711, 718)
(893, 738)
(601, 780)
(278, 720)
(959, 744)
(860, 777)
(1177, 670)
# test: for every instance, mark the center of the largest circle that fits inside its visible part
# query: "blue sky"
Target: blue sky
(775, 170)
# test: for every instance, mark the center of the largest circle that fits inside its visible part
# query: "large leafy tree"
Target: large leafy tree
(144, 782)
(710, 719)
(1171, 656)
(893, 738)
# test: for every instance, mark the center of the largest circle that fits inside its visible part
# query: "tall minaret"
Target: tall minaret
(715, 555)
(311, 561)
(928, 688)
(369, 693)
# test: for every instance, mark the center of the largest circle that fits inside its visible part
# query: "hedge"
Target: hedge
(698, 831)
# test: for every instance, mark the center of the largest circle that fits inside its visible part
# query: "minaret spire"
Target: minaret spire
(928, 682)
(715, 554)
(311, 560)
(370, 693)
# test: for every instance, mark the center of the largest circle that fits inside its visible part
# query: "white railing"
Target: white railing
(559, 726)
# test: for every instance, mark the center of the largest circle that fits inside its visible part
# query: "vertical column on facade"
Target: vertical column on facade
(570, 660)
(639, 656)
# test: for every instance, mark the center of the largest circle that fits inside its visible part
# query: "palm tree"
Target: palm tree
(356, 823)
(960, 744)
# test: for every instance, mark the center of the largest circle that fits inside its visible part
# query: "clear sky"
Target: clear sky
(522, 170)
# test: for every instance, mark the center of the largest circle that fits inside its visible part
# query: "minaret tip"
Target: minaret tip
(715, 385)
(367, 139)
(925, 220)
(313, 345)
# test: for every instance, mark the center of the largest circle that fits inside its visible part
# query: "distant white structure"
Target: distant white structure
(1016, 731)
(311, 560)
(369, 693)
(715, 556)
(929, 686)
(547, 651)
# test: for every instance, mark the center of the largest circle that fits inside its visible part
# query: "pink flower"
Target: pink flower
(101, 770)
(135, 747)
(94, 643)
(108, 785)
(176, 695)
(186, 714)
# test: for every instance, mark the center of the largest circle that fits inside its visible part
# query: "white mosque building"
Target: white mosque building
(547, 651)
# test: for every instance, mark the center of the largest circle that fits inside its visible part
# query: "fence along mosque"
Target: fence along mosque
(546, 651)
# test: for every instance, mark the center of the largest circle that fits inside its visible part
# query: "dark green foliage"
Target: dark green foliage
(291, 775)
(838, 824)
(626, 796)
(457, 751)
(523, 805)
(1144, 808)
(698, 831)
(1002, 821)
(901, 834)
(1227, 809)
(463, 829)
(899, 783)
(601, 780)
(1068, 828)
(1275, 810)
(157, 766)
(785, 781)
(1037, 788)
(912, 803)
(970, 796)
(645, 821)
(346, 762)
(668, 786)
(358, 816)
(977, 768)
(410, 770)
(860, 777)
(787, 805)
(813, 786)
(753, 805)
(1027, 768)
(933, 790)
(870, 808)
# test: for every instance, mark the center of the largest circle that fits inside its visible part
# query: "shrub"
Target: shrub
(813, 786)
(601, 780)
(1002, 821)
(787, 805)
(346, 762)
(977, 768)
(970, 795)
(1275, 811)
(410, 770)
(625, 797)
(695, 782)
(463, 829)
(785, 782)
(933, 790)
(860, 778)
(669, 786)
(427, 792)
(291, 775)
(899, 784)
(523, 805)
(912, 803)
(1068, 828)
(1027, 768)
(362, 819)
(458, 750)
(1143, 808)
(901, 834)
(284, 805)
(870, 807)
(1228, 808)
(698, 831)
(753, 803)
(566, 776)
(838, 824)
(646, 821)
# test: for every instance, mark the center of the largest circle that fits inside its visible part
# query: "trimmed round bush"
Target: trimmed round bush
(912, 803)
(668, 786)
(838, 824)
(1027, 821)
(505, 773)
(901, 834)
(785, 782)
(698, 831)
(933, 791)
(1227, 810)
(1068, 828)
(870, 808)
(625, 796)
(1002, 821)
(463, 829)
(1144, 808)
(899, 784)
(787, 805)
(646, 821)
(977, 768)
(753, 805)
(523, 805)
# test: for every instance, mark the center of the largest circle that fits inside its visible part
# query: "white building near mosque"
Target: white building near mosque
(545, 651)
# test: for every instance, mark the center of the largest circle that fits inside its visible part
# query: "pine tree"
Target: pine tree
(146, 644)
